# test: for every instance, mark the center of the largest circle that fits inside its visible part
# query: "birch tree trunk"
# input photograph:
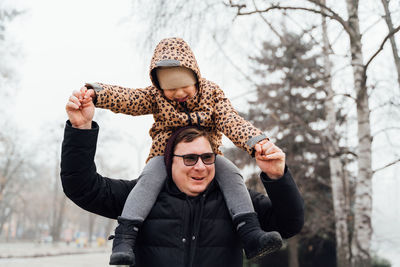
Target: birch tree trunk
(361, 241)
(388, 19)
(338, 180)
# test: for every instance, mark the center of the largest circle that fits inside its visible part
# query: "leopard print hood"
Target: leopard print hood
(172, 52)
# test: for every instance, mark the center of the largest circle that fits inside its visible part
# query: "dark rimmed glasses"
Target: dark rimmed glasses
(191, 159)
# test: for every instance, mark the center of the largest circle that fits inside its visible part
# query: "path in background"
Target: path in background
(79, 260)
(32, 249)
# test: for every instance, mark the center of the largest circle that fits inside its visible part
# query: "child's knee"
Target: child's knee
(155, 165)
(222, 164)
(157, 161)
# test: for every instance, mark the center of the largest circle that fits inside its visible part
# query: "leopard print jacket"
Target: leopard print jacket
(209, 108)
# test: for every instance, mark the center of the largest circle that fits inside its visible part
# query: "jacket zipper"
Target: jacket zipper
(196, 229)
(184, 105)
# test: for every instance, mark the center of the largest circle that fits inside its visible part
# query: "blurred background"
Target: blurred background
(320, 77)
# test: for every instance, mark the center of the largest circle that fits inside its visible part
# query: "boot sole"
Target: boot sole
(274, 243)
(121, 258)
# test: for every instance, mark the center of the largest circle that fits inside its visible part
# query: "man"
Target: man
(189, 225)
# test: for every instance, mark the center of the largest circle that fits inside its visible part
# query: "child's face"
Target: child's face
(180, 94)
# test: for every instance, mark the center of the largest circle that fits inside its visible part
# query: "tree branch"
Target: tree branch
(384, 130)
(371, 26)
(268, 23)
(244, 94)
(247, 77)
(389, 103)
(300, 120)
(346, 95)
(381, 47)
(333, 15)
(387, 165)
(337, 38)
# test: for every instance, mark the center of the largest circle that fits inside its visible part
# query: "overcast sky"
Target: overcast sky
(67, 43)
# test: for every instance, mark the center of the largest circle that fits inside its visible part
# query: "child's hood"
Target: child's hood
(172, 52)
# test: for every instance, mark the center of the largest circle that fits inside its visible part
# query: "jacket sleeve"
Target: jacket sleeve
(124, 100)
(81, 183)
(283, 209)
(241, 132)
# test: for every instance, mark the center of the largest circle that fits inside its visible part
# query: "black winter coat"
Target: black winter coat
(180, 230)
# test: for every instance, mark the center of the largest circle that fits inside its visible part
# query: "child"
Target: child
(179, 97)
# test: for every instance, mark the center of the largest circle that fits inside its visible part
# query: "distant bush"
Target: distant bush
(380, 262)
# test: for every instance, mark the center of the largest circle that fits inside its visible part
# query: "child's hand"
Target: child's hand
(270, 159)
(87, 95)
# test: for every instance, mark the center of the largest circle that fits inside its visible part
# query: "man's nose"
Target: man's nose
(199, 165)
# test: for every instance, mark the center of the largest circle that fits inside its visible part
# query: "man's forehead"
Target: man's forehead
(198, 145)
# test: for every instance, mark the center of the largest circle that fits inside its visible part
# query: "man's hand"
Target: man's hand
(270, 159)
(80, 110)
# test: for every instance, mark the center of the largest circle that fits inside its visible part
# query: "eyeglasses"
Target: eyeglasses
(191, 159)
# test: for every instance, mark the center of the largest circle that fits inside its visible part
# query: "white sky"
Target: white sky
(68, 43)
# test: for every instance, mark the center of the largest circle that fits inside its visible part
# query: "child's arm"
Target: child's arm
(241, 132)
(122, 100)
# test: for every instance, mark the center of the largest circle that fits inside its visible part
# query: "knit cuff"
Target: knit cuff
(254, 140)
(97, 89)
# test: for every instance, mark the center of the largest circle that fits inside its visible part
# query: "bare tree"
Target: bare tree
(7, 55)
(188, 18)
(363, 195)
(12, 163)
(340, 185)
(389, 22)
(59, 198)
(291, 110)
(361, 239)
(15, 171)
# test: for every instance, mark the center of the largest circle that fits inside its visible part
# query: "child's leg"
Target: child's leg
(137, 206)
(143, 196)
(233, 188)
(256, 242)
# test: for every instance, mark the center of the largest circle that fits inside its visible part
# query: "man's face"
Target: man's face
(192, 180)
(180, 94)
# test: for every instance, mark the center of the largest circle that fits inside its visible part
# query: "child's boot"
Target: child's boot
(256, 242)
(124, 242)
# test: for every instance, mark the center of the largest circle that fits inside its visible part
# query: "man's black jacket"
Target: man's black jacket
(180, 230)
